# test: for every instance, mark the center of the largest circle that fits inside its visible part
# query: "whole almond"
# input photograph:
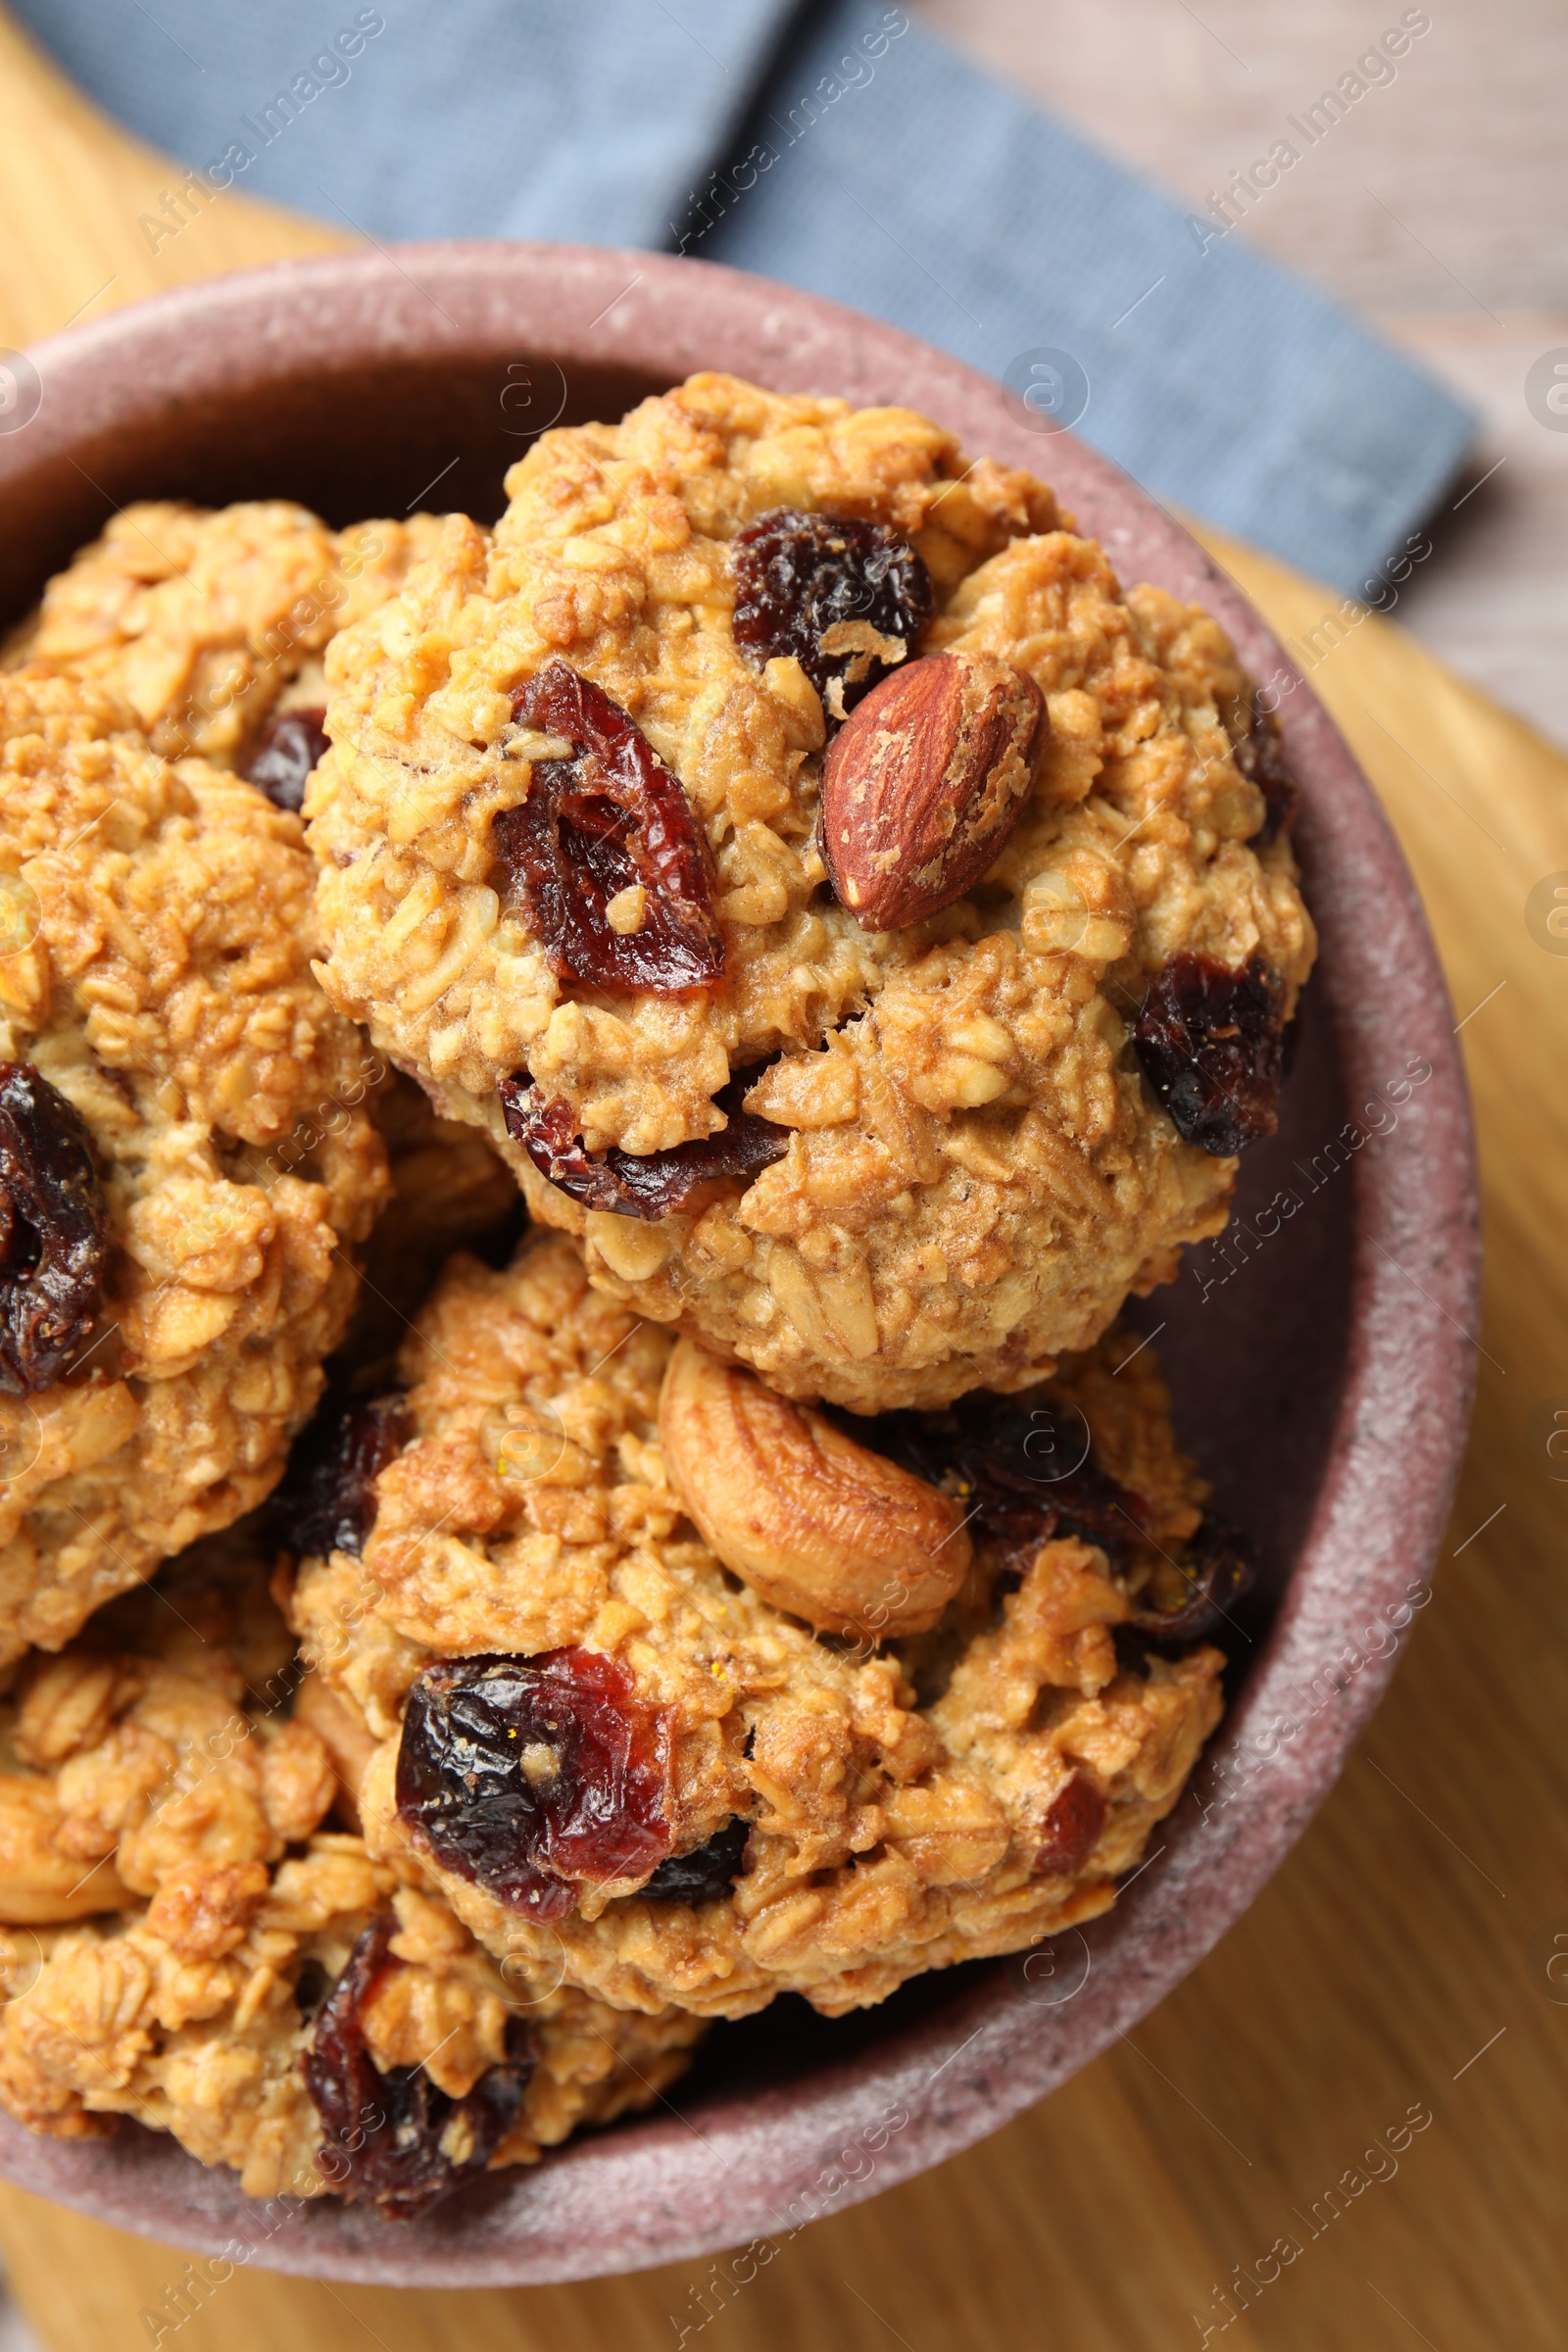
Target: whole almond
(924, 782)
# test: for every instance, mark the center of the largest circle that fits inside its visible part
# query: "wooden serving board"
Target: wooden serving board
(1380, 2024)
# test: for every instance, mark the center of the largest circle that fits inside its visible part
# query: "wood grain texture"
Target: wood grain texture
(1399, 1959)
(1491, 601)
(1441, 187)
(75, 193)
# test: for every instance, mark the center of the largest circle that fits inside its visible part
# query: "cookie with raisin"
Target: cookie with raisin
(186, 1161)
(835, 893)
(715, 1697)
(192, 1940)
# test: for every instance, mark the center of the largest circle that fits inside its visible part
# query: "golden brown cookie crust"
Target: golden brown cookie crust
(114, 2018)
(161, 1743)
(163, 1766)
(200, 621)
(976, 1173)
(160, 926)
(893, 1829)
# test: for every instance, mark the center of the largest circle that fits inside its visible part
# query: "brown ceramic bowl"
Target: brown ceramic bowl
(1321, 1364)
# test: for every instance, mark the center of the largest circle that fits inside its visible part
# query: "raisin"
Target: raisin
(848, 600)
(327, 1500)
(1260, 755)
(609, 817)
(525, 1774)
(1209, 1040)
(54, 1244)
(705, 1873)
(389, 2136)
(1217, 1569)
(686, 1176)
(289, 746)
(1073, 1821)
(989, 1450)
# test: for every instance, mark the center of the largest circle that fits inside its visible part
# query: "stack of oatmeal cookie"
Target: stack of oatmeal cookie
(578, 1105)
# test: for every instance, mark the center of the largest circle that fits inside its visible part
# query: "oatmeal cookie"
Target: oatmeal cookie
(576, 876)
(261, 1988)
(206, 2020)
(183, 1154)
(596, 1739)
(202, 621)
(161, 1737)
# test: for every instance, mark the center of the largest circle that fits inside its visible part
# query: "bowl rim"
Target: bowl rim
(663, 2189)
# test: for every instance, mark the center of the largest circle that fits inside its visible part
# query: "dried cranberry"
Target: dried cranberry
(289, 746)
(1209, 1038)
(1218, 1569)
(327, 1500)
(1073, 1821)
(1259, 753)
(827, 590)
(54, 1245)
(705, 1873)
(594, 824)
(651, 1185)
(525, 1774)
(389, 2136)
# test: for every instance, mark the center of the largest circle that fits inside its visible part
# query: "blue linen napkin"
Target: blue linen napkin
(837, 146)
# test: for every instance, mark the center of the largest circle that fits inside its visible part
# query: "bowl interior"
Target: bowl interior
(1257, 1335)
(351, 441)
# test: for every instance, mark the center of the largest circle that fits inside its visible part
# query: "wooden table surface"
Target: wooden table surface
(1398, 1961)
